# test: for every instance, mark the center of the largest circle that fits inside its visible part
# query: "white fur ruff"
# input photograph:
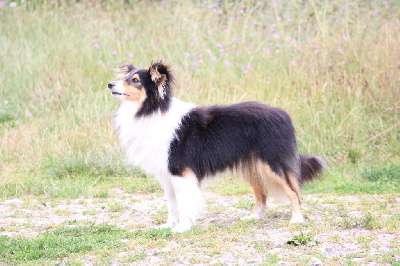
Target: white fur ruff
(147, 139)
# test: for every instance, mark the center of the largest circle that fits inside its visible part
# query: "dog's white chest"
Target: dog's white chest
(147, 139)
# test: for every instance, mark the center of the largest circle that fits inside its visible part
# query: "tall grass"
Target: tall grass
(334, 66)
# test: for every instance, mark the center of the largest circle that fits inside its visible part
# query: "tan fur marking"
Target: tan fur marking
(159, 79)
(293, 197)
(187, 172)
(155, 75)
(294, 184)
(136, 76)
(250, 174)
(135, 95)
(260, 198)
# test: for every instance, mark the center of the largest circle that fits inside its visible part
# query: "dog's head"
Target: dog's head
(150, 88)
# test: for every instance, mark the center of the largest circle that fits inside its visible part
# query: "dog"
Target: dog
(182, 144)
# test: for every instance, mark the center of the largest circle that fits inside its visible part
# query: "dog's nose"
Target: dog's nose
(110, 85)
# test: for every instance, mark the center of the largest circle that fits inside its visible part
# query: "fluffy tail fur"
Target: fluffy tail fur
(311, 167)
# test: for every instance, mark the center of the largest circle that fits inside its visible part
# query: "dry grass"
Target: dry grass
(333, 66)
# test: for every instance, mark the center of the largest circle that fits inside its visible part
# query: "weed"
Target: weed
(303, 239)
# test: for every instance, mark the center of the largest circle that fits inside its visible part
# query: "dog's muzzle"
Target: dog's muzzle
(112, 87)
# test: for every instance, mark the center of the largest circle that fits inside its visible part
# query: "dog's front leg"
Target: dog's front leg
(173, 213)
(189, 200)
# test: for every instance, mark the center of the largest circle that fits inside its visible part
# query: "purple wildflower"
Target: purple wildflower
(96, 45)
(130, 55)
(5, 102)
(28, 114)
(114, 52)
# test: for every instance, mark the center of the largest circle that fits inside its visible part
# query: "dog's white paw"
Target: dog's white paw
(182, 227)
(297, 218)
(166, 225)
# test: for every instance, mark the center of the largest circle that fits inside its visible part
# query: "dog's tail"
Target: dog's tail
(311, 166)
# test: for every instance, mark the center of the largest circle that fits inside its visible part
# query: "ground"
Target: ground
(362, 229)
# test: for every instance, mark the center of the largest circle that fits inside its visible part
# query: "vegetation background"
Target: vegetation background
(333, 65)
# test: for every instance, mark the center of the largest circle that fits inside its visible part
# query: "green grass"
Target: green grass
(62, 242)
(332, 66)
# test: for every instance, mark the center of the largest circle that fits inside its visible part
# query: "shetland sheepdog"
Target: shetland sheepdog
(182, 144)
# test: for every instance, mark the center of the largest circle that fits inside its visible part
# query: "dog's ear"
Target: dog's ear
(161, 76)
(122, 71)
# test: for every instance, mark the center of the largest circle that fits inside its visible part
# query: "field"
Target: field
(66, 193)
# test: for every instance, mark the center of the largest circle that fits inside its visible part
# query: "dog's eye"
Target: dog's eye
(135, 80)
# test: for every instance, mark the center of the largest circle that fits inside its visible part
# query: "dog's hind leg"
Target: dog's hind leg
(290, 187)
(260, 204)
(251, 175)
(189, 200)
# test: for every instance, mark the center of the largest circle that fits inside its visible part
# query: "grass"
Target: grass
(60, 243)
(333, 65)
